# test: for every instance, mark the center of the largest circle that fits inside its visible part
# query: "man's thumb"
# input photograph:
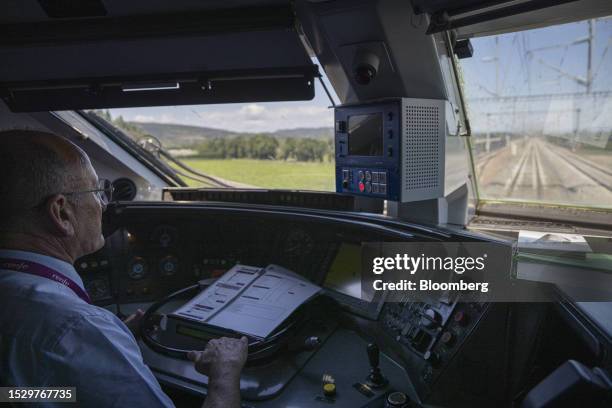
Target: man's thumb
(192, 355)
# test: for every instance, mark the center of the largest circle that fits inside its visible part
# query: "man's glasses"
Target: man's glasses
(104, 191)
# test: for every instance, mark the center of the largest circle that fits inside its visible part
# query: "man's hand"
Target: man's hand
(221, 357)
(222, 361)
(133, 321)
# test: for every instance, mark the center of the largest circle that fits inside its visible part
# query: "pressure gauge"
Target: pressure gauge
(168, 265)
(137, 268)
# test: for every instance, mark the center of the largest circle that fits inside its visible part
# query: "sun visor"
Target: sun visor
(473, 18)
(154, 61)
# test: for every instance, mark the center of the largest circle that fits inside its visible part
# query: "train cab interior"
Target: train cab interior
(375, 121)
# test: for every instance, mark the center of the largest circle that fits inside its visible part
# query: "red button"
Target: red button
(361, 187)
(461, 318)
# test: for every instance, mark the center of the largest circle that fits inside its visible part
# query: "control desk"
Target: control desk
(366, 354)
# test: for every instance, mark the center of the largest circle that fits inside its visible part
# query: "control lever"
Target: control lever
(375, 379)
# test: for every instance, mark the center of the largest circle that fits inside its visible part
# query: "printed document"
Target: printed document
(250, 300)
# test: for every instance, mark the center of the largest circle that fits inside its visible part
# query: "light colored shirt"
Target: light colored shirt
(51, 337)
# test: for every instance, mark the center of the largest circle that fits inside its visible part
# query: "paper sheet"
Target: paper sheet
(250, 300)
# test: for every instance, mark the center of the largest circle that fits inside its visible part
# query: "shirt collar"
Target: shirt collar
(58, 265)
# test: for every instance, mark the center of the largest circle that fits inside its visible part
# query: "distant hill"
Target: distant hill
(315, 133)
(174, 135)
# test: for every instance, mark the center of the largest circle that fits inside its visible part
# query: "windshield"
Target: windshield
(284, 145)
(539, 104)
(540, 107)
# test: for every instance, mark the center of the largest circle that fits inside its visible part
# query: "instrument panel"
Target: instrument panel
(448, 348)
(96, 271)
(160, 258)
(154, 250)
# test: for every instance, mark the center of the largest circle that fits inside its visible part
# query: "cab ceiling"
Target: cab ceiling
(62, 54)
(66, 55)
(29, 11)
(142, 37)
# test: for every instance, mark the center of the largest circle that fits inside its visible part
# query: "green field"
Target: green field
(268, 173)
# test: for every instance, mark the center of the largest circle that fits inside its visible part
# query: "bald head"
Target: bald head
(33, 166)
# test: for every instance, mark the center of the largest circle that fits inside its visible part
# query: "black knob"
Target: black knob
(421, 340)
(375, 379)
(373, 355)
(397, 400)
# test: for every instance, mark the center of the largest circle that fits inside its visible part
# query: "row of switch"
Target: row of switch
(372, 188)
(93, 264)
(368, 181)
(373, 176)
(375, 182)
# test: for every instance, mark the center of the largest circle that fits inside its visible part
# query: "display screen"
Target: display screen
(365, 135)
(344, 275)
(208, 332)
(191, 332)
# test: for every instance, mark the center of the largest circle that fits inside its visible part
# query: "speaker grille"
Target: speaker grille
(125, 190)
(421, 147)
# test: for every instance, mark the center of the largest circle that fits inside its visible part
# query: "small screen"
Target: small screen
(344, 275)
(365, 135)
(191, 332)
(208, 332)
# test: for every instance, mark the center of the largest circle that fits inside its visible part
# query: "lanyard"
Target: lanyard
(34, 268)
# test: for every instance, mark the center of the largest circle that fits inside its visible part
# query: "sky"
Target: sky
(522, 67)
(529, 60)
(551, 60)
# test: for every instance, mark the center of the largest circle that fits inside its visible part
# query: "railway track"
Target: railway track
(544, 171)
(598, 174)
(483, 160)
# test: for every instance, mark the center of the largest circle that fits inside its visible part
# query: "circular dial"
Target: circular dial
(137, 268)
(97, 288)
(165, 236)
(168, 265)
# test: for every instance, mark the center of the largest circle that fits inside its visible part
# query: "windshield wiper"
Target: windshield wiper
(192, 174)
(150, 160)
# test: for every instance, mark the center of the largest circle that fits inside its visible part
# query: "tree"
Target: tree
(287, 149)
(104, 114)
(263, 147)
(308, 149)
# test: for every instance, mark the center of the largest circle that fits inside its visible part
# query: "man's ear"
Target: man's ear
(60, 213)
